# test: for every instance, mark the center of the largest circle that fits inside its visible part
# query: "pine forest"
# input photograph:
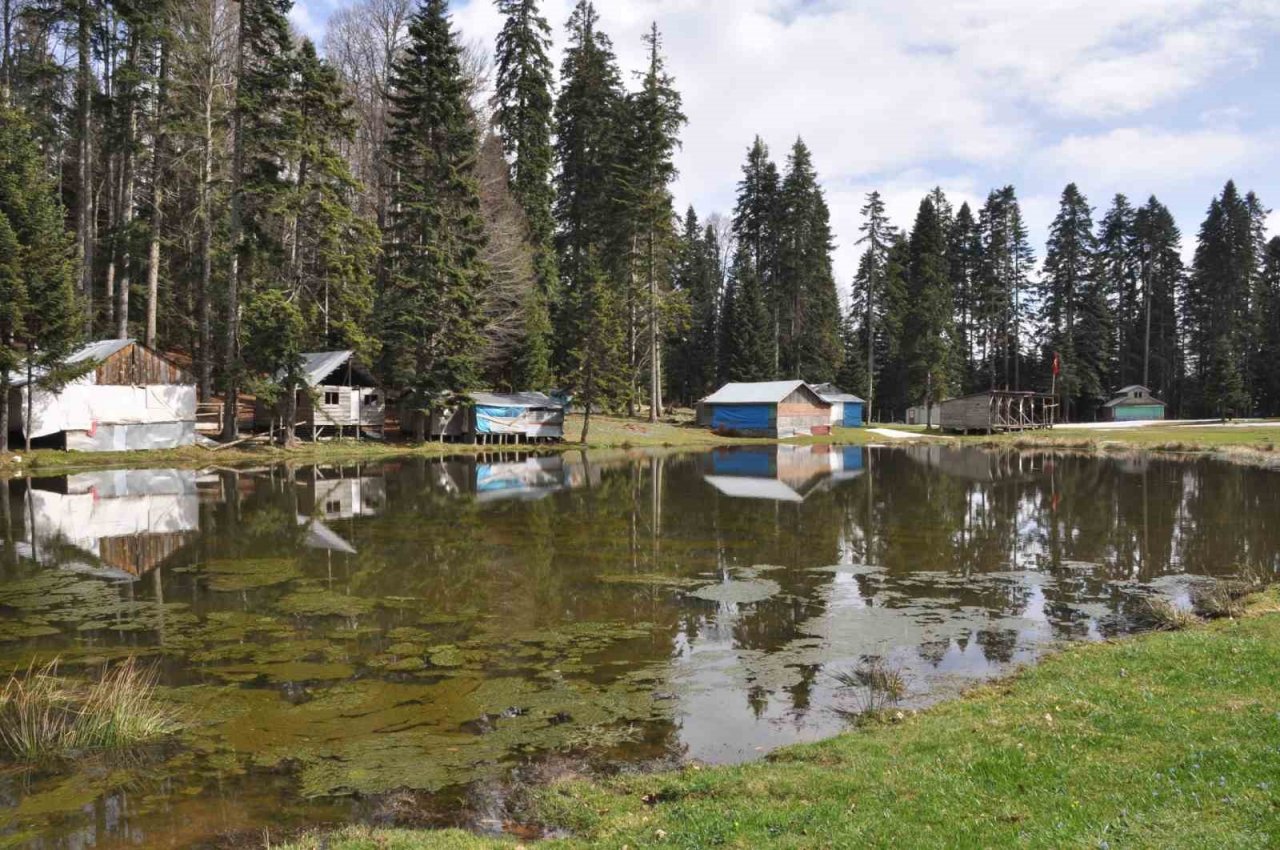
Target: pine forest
(199, 177)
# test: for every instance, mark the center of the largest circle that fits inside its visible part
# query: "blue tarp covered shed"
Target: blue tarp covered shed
(846, 408)
(767, 409)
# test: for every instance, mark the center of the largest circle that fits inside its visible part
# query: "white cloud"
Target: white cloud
(1150, 156)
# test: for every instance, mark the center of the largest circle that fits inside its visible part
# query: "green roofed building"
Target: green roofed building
(1131, 404)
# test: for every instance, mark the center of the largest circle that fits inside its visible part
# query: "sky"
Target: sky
(1163, 97)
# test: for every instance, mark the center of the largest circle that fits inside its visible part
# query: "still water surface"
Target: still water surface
(415, 641)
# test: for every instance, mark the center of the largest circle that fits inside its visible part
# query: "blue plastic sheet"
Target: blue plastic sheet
(499, 420)
(742, 417)
(852, 414)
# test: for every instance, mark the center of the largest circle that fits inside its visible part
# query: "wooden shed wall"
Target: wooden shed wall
(136, 365)
(971, 413)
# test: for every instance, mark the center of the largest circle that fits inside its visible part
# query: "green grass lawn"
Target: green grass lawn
(1185, 438)
(1165, 740)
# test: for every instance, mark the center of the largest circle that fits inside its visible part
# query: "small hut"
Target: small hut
(130, 398)
(1133, 404)
(846, 408)
(998, 410)
(341, 396)
(500, 418)
(767, 409)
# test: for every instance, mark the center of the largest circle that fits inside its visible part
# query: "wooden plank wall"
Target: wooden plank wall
(136, 365)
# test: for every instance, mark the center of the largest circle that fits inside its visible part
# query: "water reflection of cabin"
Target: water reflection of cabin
(528, 478)
(341, 395)
(337, 496)
(781, 473)
(131, 398)
(998, 410)
(501, 418)
(129, 521)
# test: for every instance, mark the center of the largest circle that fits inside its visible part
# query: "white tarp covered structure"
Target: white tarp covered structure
(99, 414)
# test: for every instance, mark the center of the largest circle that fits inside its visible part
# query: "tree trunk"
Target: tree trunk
(230, 425)
(157, 198)
(4, 414)
(205, 299)
(31, 391)
(127, 206)
(655, 362)
(84, 168)
(291, 416)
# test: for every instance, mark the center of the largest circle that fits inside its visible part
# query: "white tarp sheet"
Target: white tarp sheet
(84, 406)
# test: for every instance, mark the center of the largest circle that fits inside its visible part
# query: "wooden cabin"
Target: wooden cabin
(1133, 404)
(341, 397)
(998, 410)
(767, 409)
(130, 398)
(846, 408)
(500, 418)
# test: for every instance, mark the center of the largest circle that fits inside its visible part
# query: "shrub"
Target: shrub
(1162, 614)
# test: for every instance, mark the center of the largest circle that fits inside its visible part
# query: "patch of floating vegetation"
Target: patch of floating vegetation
(230, 575)
(648, 580)
(737, 591)
(318, 602)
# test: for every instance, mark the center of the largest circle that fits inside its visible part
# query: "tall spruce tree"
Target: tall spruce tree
(430, 313)
(1160, 272)
(599, 362)
(929, 331)
(747, 336)
(809, 303)
(40, 318)
(1119, 274)
(655, 118)
(1217, 305)
(1003, 307)
(697, 281)
(1267, 360)
(1069, 268)
(964, 255)
(879, 236)
(588, 117)
(263, 67)
(523, 107)
(331, 251)
(757, 230)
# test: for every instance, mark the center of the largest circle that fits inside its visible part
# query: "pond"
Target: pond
(416, 641)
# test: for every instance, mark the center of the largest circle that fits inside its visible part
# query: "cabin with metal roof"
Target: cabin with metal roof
(847, 410)
(129, 398)
(1133, 404)
(341, 396)
(766, 409)
(500, 418)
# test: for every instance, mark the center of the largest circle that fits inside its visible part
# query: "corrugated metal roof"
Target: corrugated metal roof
(525, 399)
(1133, 388)
(318, 365)
(833, 394)
(760, 392)
(93, 351)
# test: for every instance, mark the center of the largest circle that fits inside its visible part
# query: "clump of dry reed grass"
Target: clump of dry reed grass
(46, 716)
(1164, 615)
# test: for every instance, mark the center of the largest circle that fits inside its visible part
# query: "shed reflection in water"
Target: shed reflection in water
(337, 633)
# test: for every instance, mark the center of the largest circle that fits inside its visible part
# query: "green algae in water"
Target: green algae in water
(315, 602)
(647, 580)
(738, 592)
(446, 656)
(250, 574)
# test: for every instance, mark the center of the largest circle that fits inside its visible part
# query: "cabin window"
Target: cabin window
(370, 400)
(331, 397)
(333, 506)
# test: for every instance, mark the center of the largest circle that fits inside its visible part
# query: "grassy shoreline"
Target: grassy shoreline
(1168, 738)
(1255, 445)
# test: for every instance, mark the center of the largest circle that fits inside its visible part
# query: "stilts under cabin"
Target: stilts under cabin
(341, 398)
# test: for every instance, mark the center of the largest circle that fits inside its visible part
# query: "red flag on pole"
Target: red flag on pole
(1057, 364)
